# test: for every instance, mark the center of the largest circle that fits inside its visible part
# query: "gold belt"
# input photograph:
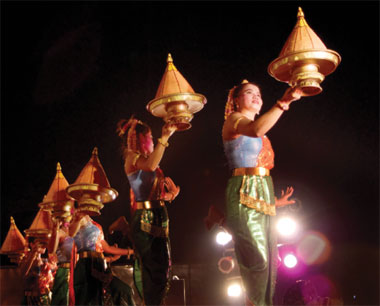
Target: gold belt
(251, 171)
(90, 254)
(149, 204)
(65, 265)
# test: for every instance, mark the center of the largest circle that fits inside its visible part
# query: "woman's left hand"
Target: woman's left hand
(173, 190)
(284, 200)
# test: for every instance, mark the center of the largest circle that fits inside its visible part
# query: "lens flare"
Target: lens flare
(290, 261)
(314, 248)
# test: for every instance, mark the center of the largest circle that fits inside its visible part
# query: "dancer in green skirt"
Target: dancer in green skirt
(250, 200)
(150, 220)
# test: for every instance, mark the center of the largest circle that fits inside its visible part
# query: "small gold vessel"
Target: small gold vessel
(14, 244)
(92, 188)
(57, 200)
(304, 60)
(175, 100)
(41, 227)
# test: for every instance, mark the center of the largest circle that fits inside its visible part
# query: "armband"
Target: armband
(134, 161)
(160, 141)
(237, 123)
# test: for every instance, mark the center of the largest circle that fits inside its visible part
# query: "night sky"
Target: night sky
(70, 71)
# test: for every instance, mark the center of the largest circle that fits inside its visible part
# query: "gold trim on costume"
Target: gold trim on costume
(237, 123)
(149, 204)
(65, 265)
(134, 161)
(251, 171)
(258, 205)
(154, 230)
(90, 254)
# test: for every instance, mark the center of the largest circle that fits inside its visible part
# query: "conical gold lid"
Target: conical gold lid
(92, 184)
(93, 172)
(302, 38)
(304, 60)
(175, 100)
(172, 81)
(42, 221)
(57, 191)
(14, 241)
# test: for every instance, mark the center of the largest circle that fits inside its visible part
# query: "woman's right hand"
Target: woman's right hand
(291, 94)
(168, 130)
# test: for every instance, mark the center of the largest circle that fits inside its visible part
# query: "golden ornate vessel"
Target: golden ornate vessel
(41, 227)
(14, 244)
(304, 60)
(57, 200)
(92, 188)
(175, 100)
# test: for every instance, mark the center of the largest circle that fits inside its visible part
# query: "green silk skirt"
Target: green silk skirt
(250, 218)
(60, 291)
(152, 267)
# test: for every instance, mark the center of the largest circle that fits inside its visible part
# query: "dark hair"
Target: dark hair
(141, 128)
(240, 87)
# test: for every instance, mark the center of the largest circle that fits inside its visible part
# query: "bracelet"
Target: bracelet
(283, 106)
(160, 141)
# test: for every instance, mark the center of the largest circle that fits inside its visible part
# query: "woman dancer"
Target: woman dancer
(250, 201)
(150, 221)
(91, 278)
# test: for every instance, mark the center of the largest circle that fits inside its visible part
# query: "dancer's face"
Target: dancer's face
(146, 143)
(249, 98)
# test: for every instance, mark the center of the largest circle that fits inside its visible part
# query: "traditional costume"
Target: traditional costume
(91, 278)
(63, 290)
(250, 207)
(150, 232)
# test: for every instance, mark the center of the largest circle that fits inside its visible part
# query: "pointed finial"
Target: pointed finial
(12, 220)
(301, 21)
(169, 59)
(245, 81)
(59, 168)
(95, 151)
(300, 13)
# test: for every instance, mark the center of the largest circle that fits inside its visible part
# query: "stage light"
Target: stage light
(234, 290)
(290, 261)
(223, 237)
(226, 264)
(286, 226)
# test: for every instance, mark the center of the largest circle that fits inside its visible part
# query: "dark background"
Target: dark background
(71, 70)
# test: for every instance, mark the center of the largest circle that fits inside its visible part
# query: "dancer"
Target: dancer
(150, 221)
(36, 274)
(250, 201)
(91, 278)
(64, 247)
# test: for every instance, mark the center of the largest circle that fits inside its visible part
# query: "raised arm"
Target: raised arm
(240, 124)
(135, 161)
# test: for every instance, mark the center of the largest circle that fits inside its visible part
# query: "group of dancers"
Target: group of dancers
(82, 277)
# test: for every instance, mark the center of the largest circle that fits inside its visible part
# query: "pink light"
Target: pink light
(290, 261)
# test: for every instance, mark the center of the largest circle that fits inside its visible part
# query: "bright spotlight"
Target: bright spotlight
(290, 261)
(234, 290)
(223, 238)
(286, 226)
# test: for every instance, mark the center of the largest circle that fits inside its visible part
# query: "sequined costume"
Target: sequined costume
(91, 278)
(37, 284)
(63, 278)
(150, 232)
(250, 207)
